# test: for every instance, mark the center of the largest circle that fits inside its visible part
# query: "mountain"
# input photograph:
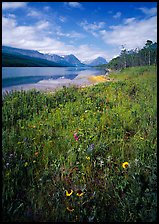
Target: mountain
(16, 52)
(18, 60)
(67, 60)
(73, 60)
(58, 59)
(97, 61)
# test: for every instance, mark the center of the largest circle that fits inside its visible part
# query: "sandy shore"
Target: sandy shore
(52, 85)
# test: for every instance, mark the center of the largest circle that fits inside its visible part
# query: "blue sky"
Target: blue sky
(85, 29)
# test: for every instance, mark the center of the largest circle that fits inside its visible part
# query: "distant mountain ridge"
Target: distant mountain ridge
(23, 56)
(35, 54)
(97, 61)
(72, 60)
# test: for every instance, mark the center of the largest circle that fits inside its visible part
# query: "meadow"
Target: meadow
(82, 154)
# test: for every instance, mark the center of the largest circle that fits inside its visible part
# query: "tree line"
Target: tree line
(136, 57)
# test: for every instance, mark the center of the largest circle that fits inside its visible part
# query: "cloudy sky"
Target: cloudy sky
(85, 29)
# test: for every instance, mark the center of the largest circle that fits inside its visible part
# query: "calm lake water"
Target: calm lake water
(17, 77)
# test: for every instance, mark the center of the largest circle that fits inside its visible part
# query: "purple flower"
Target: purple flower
(90, 148)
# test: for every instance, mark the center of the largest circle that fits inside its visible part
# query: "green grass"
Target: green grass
(78, 138)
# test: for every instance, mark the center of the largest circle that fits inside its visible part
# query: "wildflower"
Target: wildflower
(34, 161)
(88, 157)
(75, 136)
(90, 148)
(79, 193)
(125, 165)
(11, 155)
(69, 192)
(101, 163)
(36, 153)
(141, 138)
(26, 164)
(136, 161)
(109, 158)
(70, 208)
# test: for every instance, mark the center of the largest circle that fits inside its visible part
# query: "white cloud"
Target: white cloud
(22, 36)
(62, 19)
(26, 37)
(86, 52)
(149, 12)
(129, 20)
(10, 15)
(42, 25)
(117, 15)
(83, 52)
(34, 13)
(92, 27)
(46, 8)
(75, 4)
(13, 5)
(132, 34)
(72, 34)
(6, 22)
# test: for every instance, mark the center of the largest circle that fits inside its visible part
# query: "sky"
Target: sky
(86, 29)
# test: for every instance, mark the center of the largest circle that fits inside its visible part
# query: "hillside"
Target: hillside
(82, 154)
(24, 57)
(15, 60)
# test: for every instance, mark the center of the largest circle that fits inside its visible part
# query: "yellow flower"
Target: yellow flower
(141, 138)
(69, 192)
(88, 157)
(70, 209)
(125, 165)
(26, 164)
(79, 193)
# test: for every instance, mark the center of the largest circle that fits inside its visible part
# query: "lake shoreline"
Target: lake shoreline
(47, 79)
(54, 85)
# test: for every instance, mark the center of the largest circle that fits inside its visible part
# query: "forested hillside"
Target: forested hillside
(135, 57)
(13, 60)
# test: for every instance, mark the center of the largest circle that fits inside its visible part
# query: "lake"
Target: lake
(45, 77)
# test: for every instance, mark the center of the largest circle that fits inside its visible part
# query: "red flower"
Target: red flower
(75, 136)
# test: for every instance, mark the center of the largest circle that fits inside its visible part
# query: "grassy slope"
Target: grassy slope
(114, 121)
(13, 60)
